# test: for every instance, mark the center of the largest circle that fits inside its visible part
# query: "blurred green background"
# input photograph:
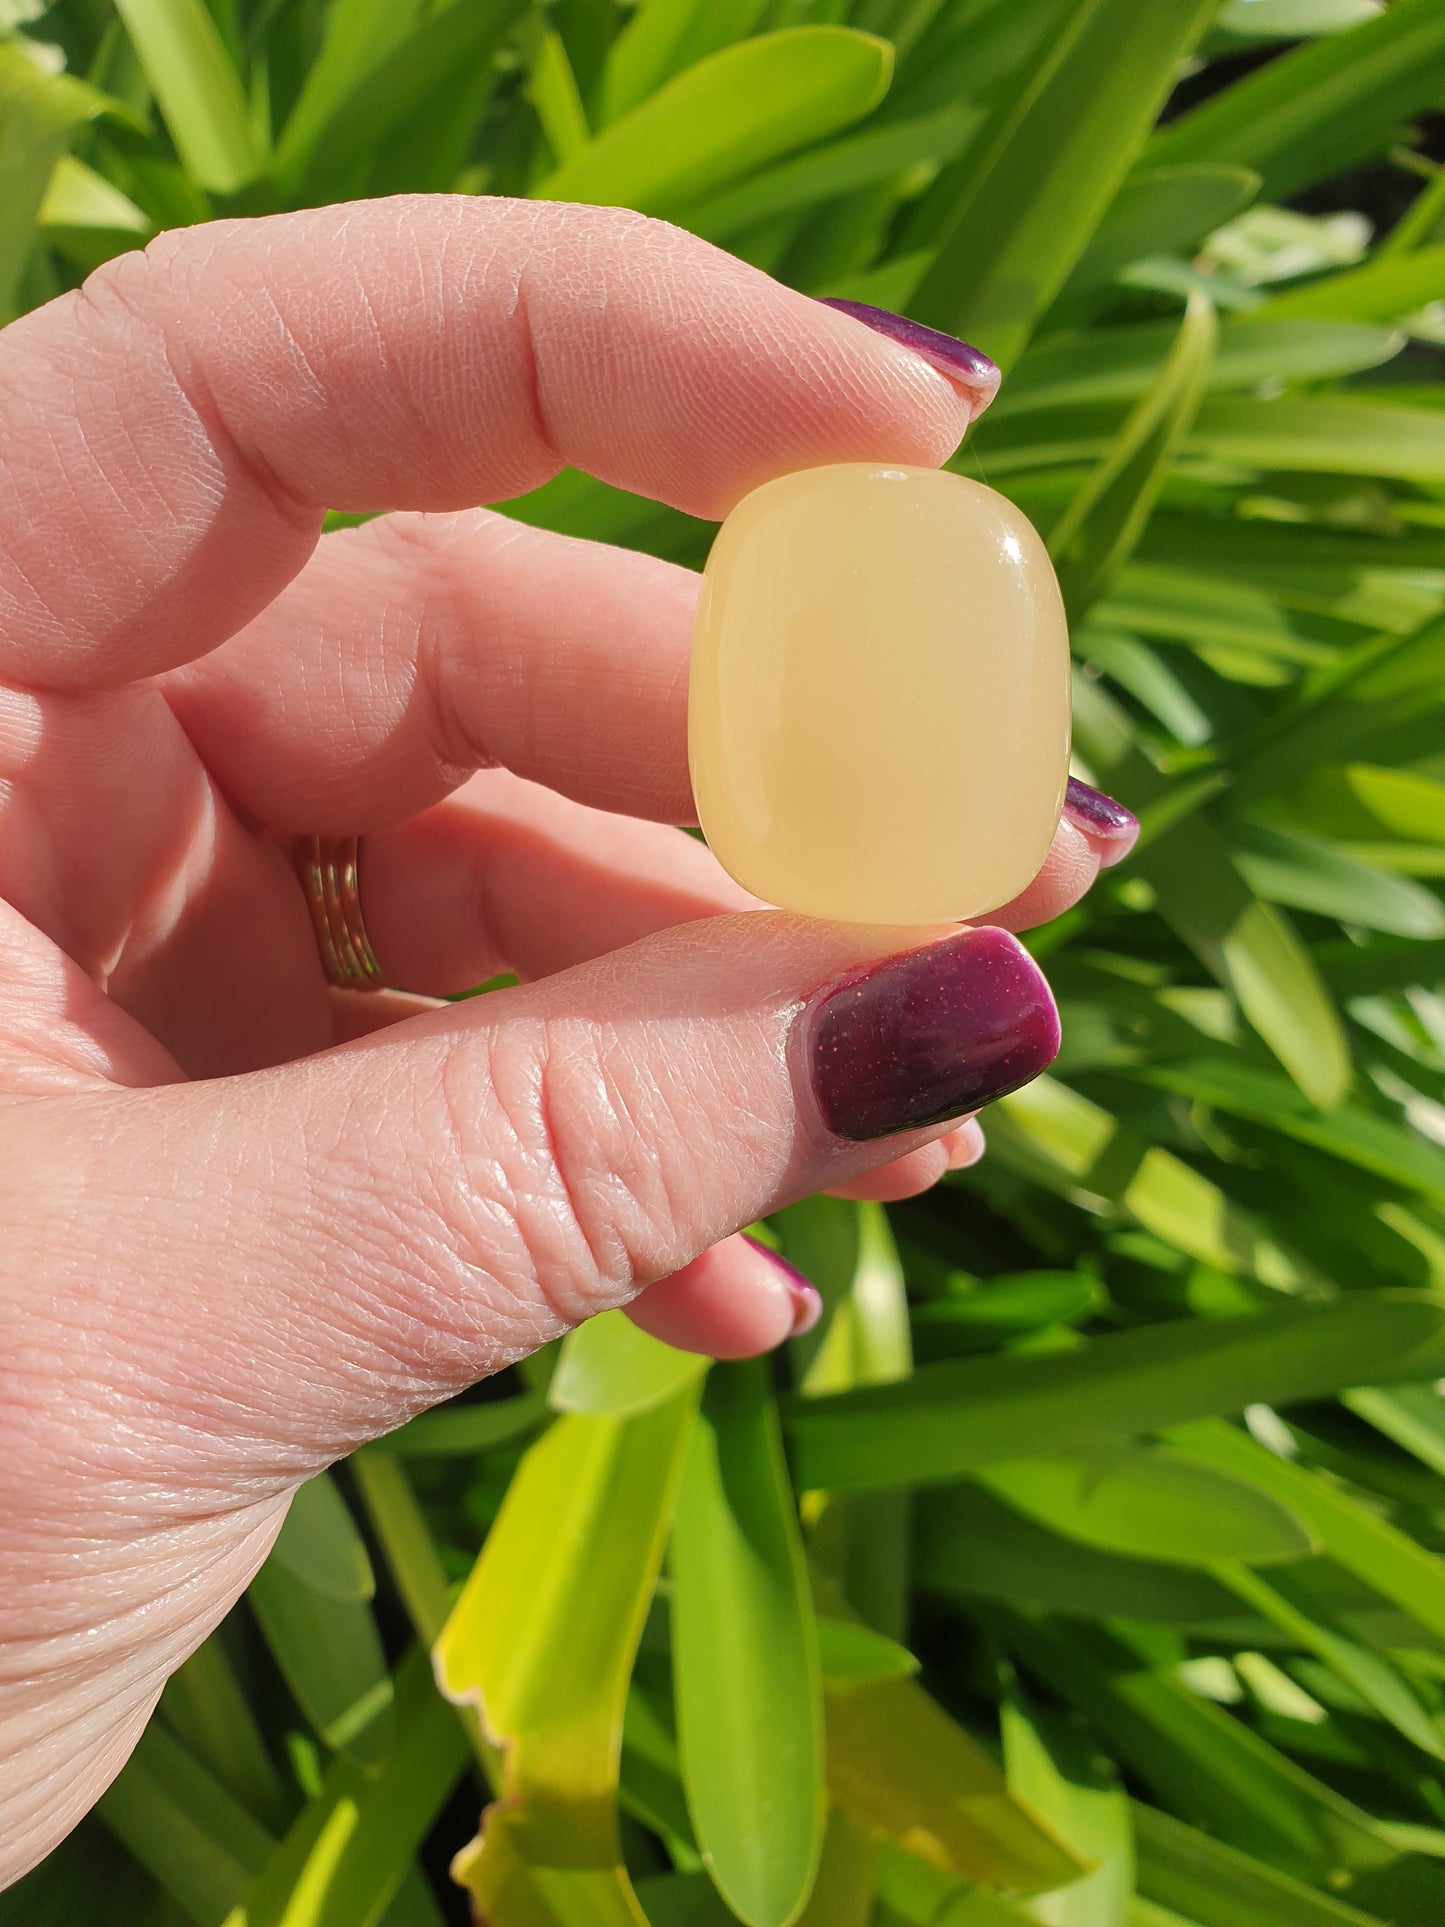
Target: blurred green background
(1087, 1566)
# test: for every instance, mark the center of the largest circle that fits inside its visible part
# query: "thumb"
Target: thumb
(305, 1256)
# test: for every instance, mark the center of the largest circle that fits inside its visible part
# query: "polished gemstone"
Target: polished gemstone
(879, 709)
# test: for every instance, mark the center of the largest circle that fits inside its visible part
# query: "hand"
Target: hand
(252, 1221)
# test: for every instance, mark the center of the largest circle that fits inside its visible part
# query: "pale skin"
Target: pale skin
(252, 1221)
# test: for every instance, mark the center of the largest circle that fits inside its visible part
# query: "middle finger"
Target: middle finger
(419, 648)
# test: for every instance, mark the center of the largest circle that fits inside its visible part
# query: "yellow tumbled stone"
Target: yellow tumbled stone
(879, 710)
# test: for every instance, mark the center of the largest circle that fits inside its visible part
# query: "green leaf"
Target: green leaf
(205, 1705)
(1198, 1757)
(87, 219)
(345, 1859)
(39, 112)
(359, 35)
(1321, 108)
(1354, 1536)
(198, 90)
(401, 1527)
(897, 1764)
(1157, 209)
(862, 1339)
(1076, 1147)
(611, 1365)
(370, 103)
(1152, 1505)
(972, 1545)
(1251, 949)
(463, 1429)
(353, 1845)
(1337, 437)
(913, 1890)
(323, 1637)
(843, 1893)
(1359, 1137)
(1121, 364)
(1306, 873)
(837, 168)
(1050, 1772)
(1412, 1415)
(955, 1418)
(553, 92)
(1381, 290)
(733, 112)
(664, 37)
(1219, 1887)
(1035, 186)
(1293, 19)
(745, 1657)
(319, 1544)
(852, 1655)
(1372, 1677)
(1018, 1302)
(1097, 532)
(183, 1827)
(542, 1642)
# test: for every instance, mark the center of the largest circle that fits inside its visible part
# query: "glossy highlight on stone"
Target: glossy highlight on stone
(879, 709)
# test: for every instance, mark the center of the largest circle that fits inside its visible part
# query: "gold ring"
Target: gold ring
(326, 866)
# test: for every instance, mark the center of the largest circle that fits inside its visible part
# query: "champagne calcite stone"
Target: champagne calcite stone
(879, 708)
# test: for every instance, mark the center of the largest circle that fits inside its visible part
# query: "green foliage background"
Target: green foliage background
(1130, 1437)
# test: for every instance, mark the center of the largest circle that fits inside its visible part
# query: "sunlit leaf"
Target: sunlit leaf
(1321, 108)
(1036, 184)
(955, 1418)
(611, 1365)
(745, 1654)
(1049, 1770)
(735, 111)
(310, 1598)
(542, 1642)
(898, 1764)
(191, 74)
(1152, 1505)
(1096, 534)
(349, 1851)
(39, 112)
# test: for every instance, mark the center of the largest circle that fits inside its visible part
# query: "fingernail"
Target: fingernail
(927, 1036)
(807, 1304)
(945, 352)
(1089, 809)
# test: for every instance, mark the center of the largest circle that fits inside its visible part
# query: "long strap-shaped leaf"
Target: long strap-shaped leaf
(353, 1846)
(199, 91)
(731, 113)
(1034, 191)
(38, 114)
(1098, 531)
(1252, 949)
(954, 1418)
(1323, 107)
(745, 1657)
(542, 1641)
(899, 1764)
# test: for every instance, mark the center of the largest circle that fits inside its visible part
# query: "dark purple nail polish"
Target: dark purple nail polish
(945, 352)
(807, 1303)
(1090, 810)
(927, 1036)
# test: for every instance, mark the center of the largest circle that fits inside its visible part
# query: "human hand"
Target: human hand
(253, 1220)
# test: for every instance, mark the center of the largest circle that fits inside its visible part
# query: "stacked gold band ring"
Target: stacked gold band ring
(326, 866)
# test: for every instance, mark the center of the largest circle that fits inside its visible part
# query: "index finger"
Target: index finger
(174, 431)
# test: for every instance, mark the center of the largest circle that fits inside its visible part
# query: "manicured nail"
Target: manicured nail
(807, 1304)
(1090, 810)
(945, 352)
(927, 1036)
